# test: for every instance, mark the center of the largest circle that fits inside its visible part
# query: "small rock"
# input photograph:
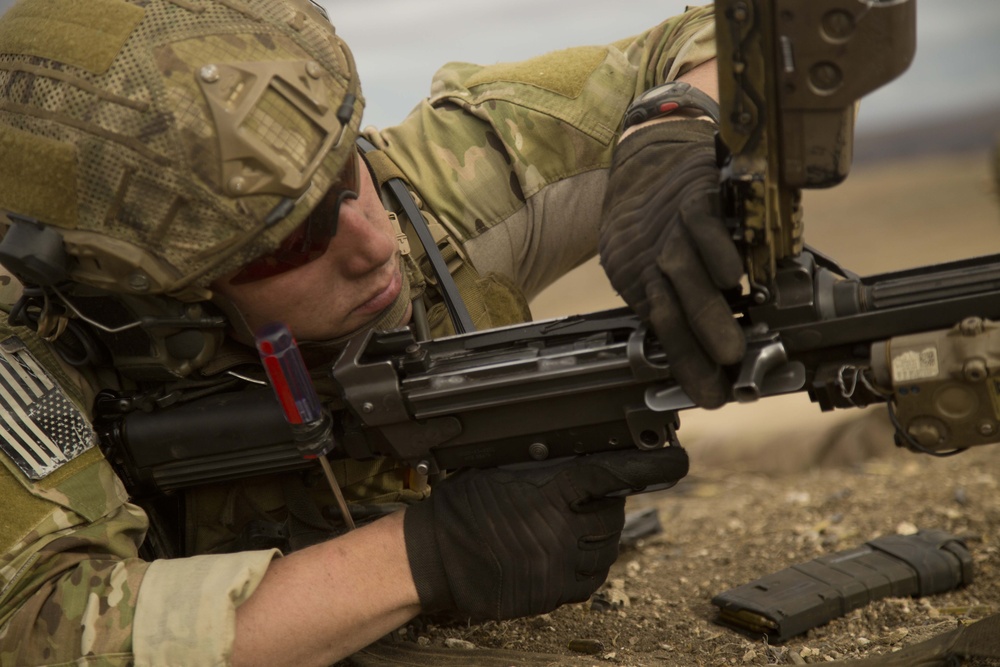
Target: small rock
(897, 635)
(750, 656)
(796, 658)
(609, 600)
(588, 646)
(862, 641)
(797, 497)
(451, 642)
(619, 599)
(610, 655)
(906, 528)
(423, 641)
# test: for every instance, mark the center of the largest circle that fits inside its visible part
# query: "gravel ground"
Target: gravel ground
(723, 529)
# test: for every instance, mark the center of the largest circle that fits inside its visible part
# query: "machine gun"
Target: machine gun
(790, 74)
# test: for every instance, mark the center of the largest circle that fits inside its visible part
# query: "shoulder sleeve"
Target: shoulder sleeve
(512, 158)
(70, 575)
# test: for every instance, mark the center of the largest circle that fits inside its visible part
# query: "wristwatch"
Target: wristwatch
(667, 98)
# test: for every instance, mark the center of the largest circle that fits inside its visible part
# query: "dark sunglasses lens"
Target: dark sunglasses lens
(349, 175)
(309, 240)
(321, 224)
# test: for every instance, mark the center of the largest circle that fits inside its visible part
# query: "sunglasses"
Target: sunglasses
(308, 241)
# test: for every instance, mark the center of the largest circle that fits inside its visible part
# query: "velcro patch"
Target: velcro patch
(83, 34)
(39, 177)
(40, 428)
(562, 72)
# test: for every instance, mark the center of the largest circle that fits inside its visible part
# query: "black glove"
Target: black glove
(667, 252)
(499, 544)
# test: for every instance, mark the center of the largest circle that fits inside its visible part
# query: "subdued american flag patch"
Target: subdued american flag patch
(40, 428)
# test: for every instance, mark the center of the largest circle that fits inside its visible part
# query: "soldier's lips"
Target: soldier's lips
(384, 298)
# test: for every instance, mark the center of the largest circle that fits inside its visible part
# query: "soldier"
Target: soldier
(177, 173)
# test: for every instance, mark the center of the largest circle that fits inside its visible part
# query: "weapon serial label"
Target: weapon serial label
(915, 365)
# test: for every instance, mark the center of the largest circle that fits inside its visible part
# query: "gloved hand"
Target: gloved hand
(498, 544)
(668, 254)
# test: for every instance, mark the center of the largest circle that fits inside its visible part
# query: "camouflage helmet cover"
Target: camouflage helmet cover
(171, 141)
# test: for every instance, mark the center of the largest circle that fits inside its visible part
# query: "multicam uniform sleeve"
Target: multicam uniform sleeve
(72, 587)
(512, 158)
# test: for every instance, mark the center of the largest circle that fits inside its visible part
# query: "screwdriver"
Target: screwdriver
(310, 422)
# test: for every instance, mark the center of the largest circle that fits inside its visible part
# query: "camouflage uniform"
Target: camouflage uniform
(508, 161)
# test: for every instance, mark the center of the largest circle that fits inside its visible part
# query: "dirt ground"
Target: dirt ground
(779, 483)
(723, 529)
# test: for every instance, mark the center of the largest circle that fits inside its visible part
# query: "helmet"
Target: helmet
(152, 147)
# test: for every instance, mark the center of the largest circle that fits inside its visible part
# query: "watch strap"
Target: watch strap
(668, 98)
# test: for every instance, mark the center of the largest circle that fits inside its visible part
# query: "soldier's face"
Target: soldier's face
(354, 280)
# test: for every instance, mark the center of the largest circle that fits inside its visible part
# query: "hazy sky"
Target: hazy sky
(398, 45)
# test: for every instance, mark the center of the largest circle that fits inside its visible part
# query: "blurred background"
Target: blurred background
(398, 44)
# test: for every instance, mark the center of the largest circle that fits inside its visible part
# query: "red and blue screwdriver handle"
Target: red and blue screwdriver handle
(290, 380)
